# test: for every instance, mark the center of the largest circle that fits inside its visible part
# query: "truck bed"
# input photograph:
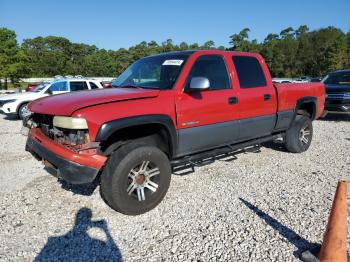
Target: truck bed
(289, 93)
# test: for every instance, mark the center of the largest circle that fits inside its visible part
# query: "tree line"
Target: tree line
(290, 53)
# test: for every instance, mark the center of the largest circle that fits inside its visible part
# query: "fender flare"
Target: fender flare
(107, 129)
(306, 99)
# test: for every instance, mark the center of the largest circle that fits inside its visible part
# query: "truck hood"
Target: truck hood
(66, 104)
(335, 89)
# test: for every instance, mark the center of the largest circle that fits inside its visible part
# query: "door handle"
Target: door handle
(232, 100)
(267, 97)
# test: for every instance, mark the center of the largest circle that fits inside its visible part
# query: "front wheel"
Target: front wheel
(23, 111)
(299, 135)
(135, 178)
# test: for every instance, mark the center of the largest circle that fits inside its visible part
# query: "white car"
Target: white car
(15, 104)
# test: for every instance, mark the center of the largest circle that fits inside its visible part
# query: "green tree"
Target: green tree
(208, 45)
(12, 58)
(289, 53)
(338, 54)
(183, 46)
(240, 41)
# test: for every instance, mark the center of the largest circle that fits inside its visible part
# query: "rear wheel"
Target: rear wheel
(136, 178)
(299, 135)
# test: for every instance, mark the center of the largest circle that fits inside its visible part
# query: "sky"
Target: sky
(118, 24)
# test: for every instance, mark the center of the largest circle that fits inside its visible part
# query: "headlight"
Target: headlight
(70, 122)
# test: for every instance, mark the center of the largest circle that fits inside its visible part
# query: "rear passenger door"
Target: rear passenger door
(257, 100)
(78, 86)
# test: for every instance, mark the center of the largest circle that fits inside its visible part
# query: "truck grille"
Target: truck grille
(44, 122)
(72, 139)
(339, 96)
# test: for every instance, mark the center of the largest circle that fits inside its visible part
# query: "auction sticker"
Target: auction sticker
(174, 62)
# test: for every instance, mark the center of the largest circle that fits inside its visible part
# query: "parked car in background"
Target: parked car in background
(15, 104)
(316, 79)
(31, 87)
(337, 91)
(282, 80)
(168, 110)
(303, 79)
(107, 84)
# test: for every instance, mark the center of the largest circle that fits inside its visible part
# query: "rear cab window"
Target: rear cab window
(78, 86)
(249, 72)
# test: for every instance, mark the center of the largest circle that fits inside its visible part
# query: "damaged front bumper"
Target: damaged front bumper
(71, 167)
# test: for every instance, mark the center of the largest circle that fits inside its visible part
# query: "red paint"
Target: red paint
(66, 104)
(94, 161)
(201, 108)
(288, 94)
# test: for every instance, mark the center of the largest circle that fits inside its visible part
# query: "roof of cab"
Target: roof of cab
(190, 52)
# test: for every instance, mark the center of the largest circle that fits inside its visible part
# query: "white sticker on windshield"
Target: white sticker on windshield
(174, 62)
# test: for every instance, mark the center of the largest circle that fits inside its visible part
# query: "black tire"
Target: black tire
(115, 180)
(19, 112)
(299, 135)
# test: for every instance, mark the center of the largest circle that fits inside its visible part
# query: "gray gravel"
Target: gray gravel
(266, 206)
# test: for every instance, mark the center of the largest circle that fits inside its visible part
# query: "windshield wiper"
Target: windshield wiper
(133, 86)
(129, 86)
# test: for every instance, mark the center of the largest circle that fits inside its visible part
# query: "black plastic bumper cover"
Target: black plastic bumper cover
(67, 170)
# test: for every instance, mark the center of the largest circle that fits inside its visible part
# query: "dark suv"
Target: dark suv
(338, 91)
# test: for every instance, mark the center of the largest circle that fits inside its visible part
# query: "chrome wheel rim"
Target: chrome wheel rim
(24, 111)
(305, 135)
(142, 180)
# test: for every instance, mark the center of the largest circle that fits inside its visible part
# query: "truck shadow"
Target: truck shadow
(83, 189)
(275, 146)
(298, 241)
(334, 117)
(11, 118)
(77, 245)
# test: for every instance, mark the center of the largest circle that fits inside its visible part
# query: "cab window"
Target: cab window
(212, 67)
(78, 86)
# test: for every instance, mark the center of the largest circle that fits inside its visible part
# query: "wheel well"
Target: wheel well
(152, 134)
(307, 109)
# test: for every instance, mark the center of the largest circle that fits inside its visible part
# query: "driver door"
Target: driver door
(205, 118)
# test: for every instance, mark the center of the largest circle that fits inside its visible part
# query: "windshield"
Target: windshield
(338, 78)
(156, 72)
(40, 87)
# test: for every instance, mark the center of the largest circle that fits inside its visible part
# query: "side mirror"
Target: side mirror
(199, 83)
(49, 91)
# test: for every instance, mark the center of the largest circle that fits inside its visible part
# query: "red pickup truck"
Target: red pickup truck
(168, 110)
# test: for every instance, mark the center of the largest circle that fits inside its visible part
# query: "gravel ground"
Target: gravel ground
(267, 206)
